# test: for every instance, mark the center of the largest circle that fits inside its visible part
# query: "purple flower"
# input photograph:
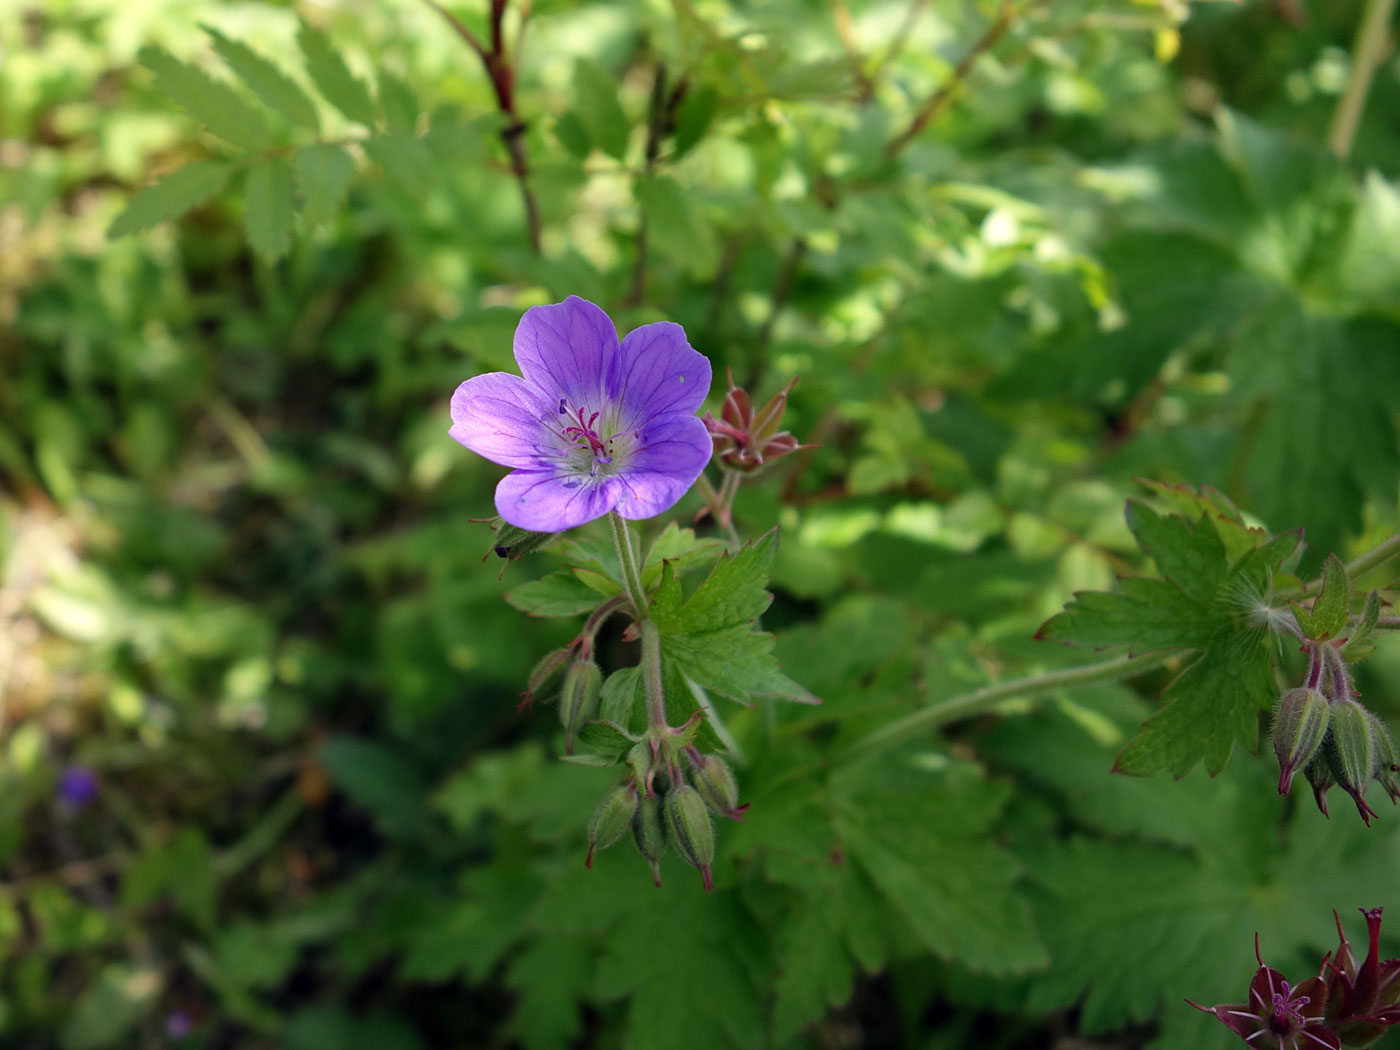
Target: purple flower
(595, 425)
(77, 786)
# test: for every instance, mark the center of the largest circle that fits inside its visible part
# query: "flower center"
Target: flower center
(596, 444)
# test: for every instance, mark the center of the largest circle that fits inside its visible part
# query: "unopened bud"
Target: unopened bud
(649, 831)
(745, 439)
(712, 777)
(1300, 727)
(612, 818)
(1351, 752)
(1320, 778)
(546, 676)
(578, 700)
(512, 542)
(1387, 759)
(688, 822)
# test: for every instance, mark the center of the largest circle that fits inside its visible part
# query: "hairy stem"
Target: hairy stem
(1377, 555)
(631, 572)
(1366, 56)
(980, 700)
(651, 675)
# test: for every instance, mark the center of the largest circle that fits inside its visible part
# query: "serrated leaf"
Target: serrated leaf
(816, 971)
(1329, 611)
(551, 979)
(405, 160)
(212, 102)
(379, 780)
(279, 91)
(921, 837)
(734, 592)
(1359, 645)
(558, 594)
(399, 102)
(1144, 614)
(665, 1010)
(171, 197)
(270, 205)
(735, 663)
(1208, 708)
(618, 698)
(343, 90)
(324, 174)
(1192, 556)
(605, 738)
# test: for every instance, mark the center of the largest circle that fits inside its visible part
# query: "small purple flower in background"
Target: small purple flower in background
(77, 786)
(595, 425)
(178, 1024)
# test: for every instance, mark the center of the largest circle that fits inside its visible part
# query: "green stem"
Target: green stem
(651, 676)
(1378, 554)
(1366, 55)
(631, 574)
(980, 700)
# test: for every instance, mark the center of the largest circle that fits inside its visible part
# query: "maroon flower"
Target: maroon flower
(1361, 997)
(1277, 1015)
(746, 439)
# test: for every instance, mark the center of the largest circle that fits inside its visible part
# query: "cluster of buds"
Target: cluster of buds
(1346, 1004)
(1321, 728)
(668, 802)
(745, 439)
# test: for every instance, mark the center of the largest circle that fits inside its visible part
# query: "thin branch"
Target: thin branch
(501, 73)
(1366, 56)
(981, 700)
(938, 101)
(658, 120)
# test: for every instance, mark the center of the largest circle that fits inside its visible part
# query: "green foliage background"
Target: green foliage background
(240, 583)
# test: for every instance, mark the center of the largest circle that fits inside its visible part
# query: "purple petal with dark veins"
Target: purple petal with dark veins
(500, 416)
(570, 349)
(661, 374)
(553, 501)
(669, 456)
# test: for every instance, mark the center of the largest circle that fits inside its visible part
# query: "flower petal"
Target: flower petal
(501, 417)
(670, 455)
(661, 374)
(552, 501)
(570, 349)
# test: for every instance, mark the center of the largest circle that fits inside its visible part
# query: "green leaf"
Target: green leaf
(674, 225)
(324, 174)
(599, 109)
(1192, 557)
(279, 91)
(400, 103)
(343, 90)
(605, 738)
(552, 979)
(212, 102)
(405, 160)
(270, 207)
(816, 970)
(1144, 614)
(109, 1008)
(558, 594)
(378, 780)
(921, 836)
(1359, 645)
(1329, 611)
(705, 995)
(171, 197)
(734, 592)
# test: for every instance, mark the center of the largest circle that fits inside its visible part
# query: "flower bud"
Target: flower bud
(745, 439)
(1387, 759)
(649, 831)
(545, 676)
(1351, 752)
(1300, 726)
(578, 700)
(612, 818)
(712, 777)
(688, 822)
(1320, 777)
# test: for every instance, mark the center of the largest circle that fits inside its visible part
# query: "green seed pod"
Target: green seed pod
(1387, 759)
(1351, 752)
(547, 674)
(612, 818)
(649, 831)
(1300, 727)
(688, 822)
(712, 777)
(578, 700)
(1320, 777)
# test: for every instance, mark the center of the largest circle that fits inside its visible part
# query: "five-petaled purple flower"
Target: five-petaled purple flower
(595, 425)
(77, 786)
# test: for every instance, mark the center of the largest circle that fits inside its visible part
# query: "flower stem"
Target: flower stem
(980, 700)
(1366, 55)
(651, 675)
(631, 574)
(641, 615)
(1377, 555)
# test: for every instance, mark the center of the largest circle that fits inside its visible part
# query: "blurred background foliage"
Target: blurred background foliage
(265, 784)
